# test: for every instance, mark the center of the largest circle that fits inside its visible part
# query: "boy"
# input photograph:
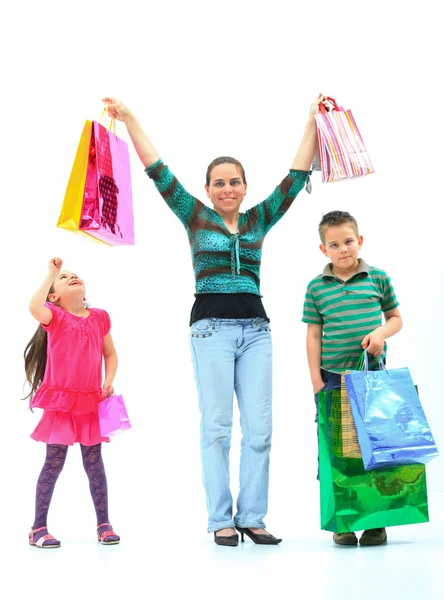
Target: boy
(342, 310)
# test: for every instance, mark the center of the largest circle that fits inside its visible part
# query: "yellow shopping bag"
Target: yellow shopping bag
(73, 202)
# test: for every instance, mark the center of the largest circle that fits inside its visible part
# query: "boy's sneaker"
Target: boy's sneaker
(373, 537)
(345, 539)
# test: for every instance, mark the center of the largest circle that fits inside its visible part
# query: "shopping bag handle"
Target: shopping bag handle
(112, 122)
(322, 108)
(363, 363)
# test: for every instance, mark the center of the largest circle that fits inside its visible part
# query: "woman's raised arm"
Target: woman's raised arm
(305, 153)
(144, 148)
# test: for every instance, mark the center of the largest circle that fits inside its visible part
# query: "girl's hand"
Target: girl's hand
(116, 109)
(54, 266)
(314, 108)
(107, 390)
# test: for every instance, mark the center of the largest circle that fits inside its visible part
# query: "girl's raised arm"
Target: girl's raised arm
(37, 305)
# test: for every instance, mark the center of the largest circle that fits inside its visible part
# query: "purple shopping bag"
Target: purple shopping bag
(113, 417)
(107, 211)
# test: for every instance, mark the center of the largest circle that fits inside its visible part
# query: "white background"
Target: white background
(207, 79)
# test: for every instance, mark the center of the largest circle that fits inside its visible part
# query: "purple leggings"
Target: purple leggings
(54, 462)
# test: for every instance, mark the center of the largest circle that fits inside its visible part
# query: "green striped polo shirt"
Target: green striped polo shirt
(348, 311)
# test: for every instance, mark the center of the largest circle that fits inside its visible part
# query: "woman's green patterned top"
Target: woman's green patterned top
(224, 262)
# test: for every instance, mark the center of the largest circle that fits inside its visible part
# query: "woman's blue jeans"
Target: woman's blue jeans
(234, 355)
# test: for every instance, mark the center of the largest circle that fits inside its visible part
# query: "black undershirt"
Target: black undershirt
(227, 306)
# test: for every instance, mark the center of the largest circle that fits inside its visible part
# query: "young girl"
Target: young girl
(63, 363)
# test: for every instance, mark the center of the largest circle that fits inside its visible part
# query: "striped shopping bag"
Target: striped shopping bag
(350, 444)
(341, 149)
(344, 439)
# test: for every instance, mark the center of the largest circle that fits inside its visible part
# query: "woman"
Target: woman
(230, 335)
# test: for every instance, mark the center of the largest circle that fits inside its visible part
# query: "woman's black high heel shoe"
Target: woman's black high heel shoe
(259, 538)
(226, 540)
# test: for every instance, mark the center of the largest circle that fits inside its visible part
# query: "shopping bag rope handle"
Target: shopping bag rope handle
(363, 362)
(322, 108)
(112, 122)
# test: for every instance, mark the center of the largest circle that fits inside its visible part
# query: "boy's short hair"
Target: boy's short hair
(335, 218)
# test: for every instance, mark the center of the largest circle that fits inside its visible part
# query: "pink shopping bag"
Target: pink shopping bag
(113, 417)
(107, 211)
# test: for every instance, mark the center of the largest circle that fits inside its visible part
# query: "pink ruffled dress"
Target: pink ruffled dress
(72, 385)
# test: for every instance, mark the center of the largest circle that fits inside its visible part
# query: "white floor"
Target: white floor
(160, 559)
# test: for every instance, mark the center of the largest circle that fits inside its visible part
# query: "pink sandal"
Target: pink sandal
(40, 543)
(101, 537)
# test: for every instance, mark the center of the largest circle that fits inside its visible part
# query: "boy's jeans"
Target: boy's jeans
(332, 381)
(234, 355)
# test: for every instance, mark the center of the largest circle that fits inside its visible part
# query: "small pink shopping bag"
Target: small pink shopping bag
(113, 417)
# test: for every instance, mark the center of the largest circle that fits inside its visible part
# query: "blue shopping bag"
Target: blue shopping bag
(391, 426)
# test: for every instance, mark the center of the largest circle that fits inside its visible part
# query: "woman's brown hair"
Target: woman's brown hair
(222, 160)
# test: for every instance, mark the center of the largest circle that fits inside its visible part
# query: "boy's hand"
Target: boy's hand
(317, 386)
(374, 343)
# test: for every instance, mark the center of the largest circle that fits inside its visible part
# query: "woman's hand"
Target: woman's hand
(314, 108)
(144, 148)
(116, 109)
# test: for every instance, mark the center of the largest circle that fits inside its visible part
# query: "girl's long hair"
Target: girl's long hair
(35, 357)
(35, 360)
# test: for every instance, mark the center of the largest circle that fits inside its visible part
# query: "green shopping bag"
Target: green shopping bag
(353, 499)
